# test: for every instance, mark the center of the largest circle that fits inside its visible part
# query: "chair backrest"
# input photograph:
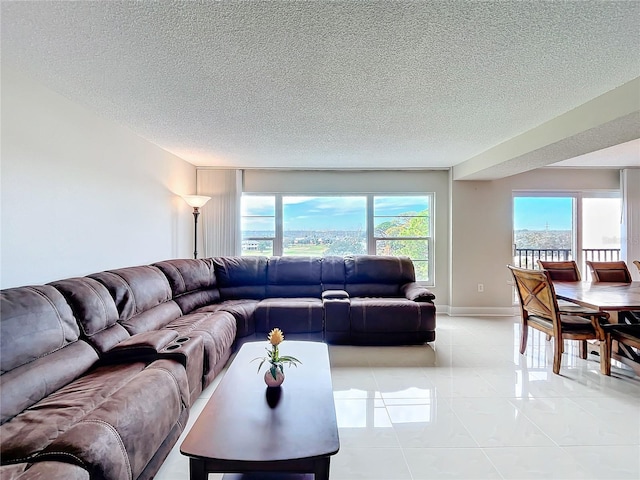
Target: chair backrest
(561, 271)
(637, 264)
(609, 272)
(536, 294)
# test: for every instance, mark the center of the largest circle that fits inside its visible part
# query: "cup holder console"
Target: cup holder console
(177, 343)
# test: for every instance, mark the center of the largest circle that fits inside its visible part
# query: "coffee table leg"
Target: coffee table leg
(322, 469)
(197, 470)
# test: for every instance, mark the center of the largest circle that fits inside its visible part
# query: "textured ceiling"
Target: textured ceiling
(326, 84)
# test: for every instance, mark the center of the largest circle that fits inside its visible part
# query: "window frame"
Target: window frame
(372, 244)
(577, 250)
(260, 238)
(371, 239)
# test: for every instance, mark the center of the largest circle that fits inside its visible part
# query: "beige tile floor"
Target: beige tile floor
(469, 406)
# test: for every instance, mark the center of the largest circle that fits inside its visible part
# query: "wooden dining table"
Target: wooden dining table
(610, 297)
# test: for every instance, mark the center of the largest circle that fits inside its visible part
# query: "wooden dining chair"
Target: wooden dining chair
(539, 310)
(609, 271)
(566, 271)
(614, 272)
(637, 264)
(624, 334)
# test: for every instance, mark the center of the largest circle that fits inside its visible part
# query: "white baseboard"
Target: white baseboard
(478, 311)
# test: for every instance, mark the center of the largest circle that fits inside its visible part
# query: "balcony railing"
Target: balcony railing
(601, 254)
(528, 257)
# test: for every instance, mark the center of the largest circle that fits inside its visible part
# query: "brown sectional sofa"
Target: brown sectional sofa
(99, 372)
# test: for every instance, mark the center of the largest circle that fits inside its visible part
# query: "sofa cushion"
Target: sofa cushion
(118, 399)
(36, 321)
(291, 315)
(391, 315)
(218, 331)
(377, 276)
(95, 310)
(193, 282)
(108, 440)
(142, 296)
(241, 277)
(50, 470)
(242, 310)
(294, 277)
(333, 273)
(40, 348)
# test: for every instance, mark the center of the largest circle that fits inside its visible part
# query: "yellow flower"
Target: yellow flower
(276, 337)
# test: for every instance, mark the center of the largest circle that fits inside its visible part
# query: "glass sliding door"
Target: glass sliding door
(543, 228)
(576, 226)
(601, 221)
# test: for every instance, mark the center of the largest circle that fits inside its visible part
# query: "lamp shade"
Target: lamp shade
(196, 201)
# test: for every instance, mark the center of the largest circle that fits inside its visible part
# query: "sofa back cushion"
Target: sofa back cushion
(294, 277)
(193, 282)
(95, 310)
(142, 296)
(333, 274)
(377, 275)
(40, 348)
(241, 277)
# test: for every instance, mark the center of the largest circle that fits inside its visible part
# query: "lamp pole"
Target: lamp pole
(195, 201)
(196, 214)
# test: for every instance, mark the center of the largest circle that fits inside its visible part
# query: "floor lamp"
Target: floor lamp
(195, 201)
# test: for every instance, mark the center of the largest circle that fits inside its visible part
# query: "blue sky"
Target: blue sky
(326, 213)
(535, 213)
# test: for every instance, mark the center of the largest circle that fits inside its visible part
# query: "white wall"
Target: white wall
(81, 194)
(482, 226)
(408, 181)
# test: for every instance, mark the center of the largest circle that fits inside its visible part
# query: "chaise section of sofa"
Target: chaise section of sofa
(387, 306)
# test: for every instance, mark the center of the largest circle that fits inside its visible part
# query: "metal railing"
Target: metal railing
(601, 254)
(528, 257)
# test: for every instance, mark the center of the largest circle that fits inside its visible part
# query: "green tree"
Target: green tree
(407, 225)
(346, 246)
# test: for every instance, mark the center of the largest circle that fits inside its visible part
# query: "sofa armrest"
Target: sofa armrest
(142, 345)
(334, 295)
(417, 293)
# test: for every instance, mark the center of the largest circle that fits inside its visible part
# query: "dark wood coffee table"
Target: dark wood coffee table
(249, 428)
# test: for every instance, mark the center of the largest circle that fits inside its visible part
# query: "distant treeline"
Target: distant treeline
(542, 239)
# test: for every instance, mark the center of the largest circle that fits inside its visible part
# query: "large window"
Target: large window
(258, 224)
(576, 226)
(324, 225)
(401, 227)
(340, 225)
